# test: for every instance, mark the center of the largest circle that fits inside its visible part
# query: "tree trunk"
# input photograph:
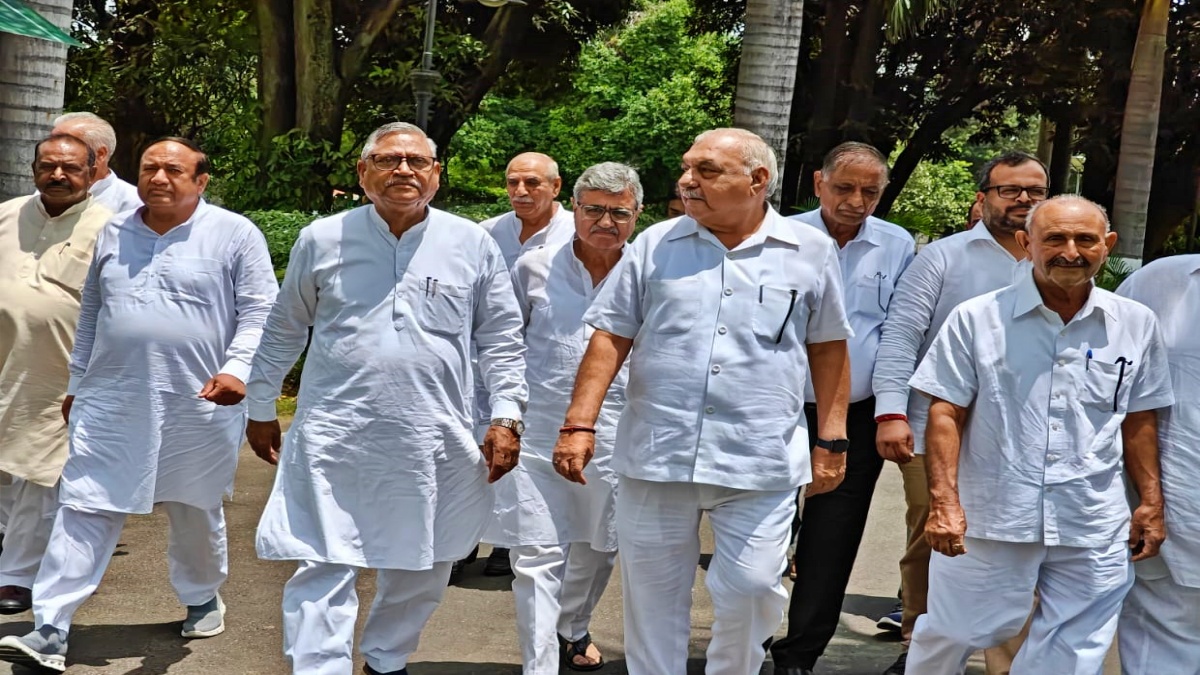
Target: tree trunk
(1139, 132)
(822, 130)
(276, 76)
(767, 72)
(32, 87)
(1060, 153)
(868, 36)
(134, 121)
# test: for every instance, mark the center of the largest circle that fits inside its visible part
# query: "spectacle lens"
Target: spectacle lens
(596, 212)
(392, 162)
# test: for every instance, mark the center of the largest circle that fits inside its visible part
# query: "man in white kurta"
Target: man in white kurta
(107, 187)
(944, 274)
(380, 468)
(1044, 398)
(45, 247)
(1159, 629)
(172, 311)
(562, 536)
(725, 311)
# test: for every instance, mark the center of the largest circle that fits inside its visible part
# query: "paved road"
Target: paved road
(131, 626)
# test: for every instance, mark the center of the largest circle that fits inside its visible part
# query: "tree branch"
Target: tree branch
(359, 49)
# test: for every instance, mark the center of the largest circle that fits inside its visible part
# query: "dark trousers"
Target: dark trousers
(831, 529)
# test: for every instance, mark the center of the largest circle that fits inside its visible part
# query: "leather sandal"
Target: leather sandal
(570, 650)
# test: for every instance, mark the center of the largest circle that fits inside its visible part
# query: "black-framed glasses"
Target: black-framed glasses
(393, 162)
(1013, 191)
(596, 212)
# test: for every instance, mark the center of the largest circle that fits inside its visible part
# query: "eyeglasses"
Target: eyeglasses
(393, 162)
(596, 212)
(1014, 191)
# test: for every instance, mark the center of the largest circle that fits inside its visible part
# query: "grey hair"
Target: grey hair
(1070, 199)
(845, 152)
(97, 132)
(609, 177)
(755, 153)
(391, 129)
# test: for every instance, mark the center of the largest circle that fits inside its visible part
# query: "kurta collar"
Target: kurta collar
(382, 226)
(71, 210)
(1028, 298)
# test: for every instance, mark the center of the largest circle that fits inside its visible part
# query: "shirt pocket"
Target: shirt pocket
(776, 310)
(1106, 387)
(673, 305)
(68, 269)
(440, 307)
(197, 279)
(872, 295)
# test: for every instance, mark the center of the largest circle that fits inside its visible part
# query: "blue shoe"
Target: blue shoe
(44, 650)
(205, 620)
(891, 620)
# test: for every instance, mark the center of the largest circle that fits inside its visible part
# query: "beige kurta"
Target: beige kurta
(43, 262)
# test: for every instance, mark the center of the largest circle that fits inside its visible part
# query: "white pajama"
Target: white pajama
(82, 543)
(30, 518)
(320, 607)
(983, 598)
(556, 589)
(1159, 630)
(658, 528)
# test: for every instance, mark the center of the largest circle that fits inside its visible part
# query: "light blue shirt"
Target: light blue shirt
(115, 193)
(871, 264)
(718, 366)
(1041, 455)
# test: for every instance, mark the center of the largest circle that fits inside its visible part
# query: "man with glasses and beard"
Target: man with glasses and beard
(944, 274)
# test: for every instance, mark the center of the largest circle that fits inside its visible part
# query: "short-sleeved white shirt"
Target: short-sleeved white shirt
(1041, 455)
(506, 230)
(718, 366)
(871, 264)
(1171, 288)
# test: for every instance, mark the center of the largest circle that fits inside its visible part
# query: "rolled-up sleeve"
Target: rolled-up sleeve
(948, 369)
(498, 337)
(909, 316)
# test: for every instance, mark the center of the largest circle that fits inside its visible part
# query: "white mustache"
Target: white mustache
(606, 230)
(691, 194)
(403, 181)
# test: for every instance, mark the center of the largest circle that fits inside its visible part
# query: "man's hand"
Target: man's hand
(946, 528)
(572, 453)
(828, 470)
(223, 389)
(1146, 531)
(894, 441)
(265, 439)
(66, 408)
(501, 448)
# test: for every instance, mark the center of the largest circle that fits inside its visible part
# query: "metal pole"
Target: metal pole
(424, 79)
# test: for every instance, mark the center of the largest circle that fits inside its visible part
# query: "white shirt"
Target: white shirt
(506, 230)
(1041, 455)
(945, 273)
(717, 370)
(871, 264)
(383, 425)
(115, 193)
(160, 315)
(1171, 287)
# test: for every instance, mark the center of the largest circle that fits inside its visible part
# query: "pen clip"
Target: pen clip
(1120, 378)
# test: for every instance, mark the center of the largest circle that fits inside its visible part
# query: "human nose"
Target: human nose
(402, 167)
(1024, 196)
(58, 173)
(159, 176)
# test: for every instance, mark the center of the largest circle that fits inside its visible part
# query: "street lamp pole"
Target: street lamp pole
(425, 78)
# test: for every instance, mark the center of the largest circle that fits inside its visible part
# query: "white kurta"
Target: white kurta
(160, 316)
(535, 505)
(506, 230)
(115, 193)
(379, 468)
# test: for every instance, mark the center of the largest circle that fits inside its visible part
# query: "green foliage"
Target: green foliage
(936, 198)
(289, 175)
(1115, 271)
(281, 229)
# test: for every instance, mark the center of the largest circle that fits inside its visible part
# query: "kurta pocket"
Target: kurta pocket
(441, 308)
(67, 269)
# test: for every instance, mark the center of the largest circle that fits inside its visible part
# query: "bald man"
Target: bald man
(1044, 400)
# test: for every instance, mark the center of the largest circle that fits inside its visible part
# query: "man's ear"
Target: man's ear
(1110, 240)
(759, 179)
(818, 178)
(1023, 240)
(202, 181)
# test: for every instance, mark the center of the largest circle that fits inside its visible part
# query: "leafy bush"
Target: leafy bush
(935, 199)
(1114, 272)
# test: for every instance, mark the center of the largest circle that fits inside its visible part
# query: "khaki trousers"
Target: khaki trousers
(914, 568)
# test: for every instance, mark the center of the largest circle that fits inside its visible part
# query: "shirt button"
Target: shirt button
(721, 330)
(1055, 427)
(728, 291)
(716, 369)
(1062, 362)
(710, 410)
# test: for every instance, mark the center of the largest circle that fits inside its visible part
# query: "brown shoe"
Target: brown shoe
(15, 599)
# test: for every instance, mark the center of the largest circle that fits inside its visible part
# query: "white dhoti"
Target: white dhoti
(1080, 594)
(1159, 629)
(320, 607)
(30, 518)
(82, 543)
(658, 526)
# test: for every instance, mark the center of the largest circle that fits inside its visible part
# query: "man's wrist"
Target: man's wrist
(891, 417)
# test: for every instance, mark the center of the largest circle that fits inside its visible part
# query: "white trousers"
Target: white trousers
(320, 607)
(82, 543)
(556, 589)
(983, 598)
(1159, 630)
(658, 527)
(30, 519)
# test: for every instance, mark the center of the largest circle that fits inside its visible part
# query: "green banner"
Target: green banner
(16, 17)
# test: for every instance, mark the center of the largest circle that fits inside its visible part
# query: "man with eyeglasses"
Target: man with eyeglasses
(380, 468)
(944, 274)
(563, 535)
(872, 254)
(1044, 399)
(723, 314)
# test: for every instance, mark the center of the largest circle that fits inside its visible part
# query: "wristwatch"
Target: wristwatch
(517, 426)
(837, 446)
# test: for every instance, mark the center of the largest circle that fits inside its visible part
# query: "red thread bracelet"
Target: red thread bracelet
(891, 417)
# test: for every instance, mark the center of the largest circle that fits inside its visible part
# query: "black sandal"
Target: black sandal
(578, 648)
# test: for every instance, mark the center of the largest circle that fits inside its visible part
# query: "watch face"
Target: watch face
(841, 445)
(520, 428)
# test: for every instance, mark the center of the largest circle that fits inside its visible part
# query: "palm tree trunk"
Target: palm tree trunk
(1139, 132)
(767, 73)
(33, 77)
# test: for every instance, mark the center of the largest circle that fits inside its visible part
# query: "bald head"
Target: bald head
(1068, 239)
(533, 183)
(1070, 205)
